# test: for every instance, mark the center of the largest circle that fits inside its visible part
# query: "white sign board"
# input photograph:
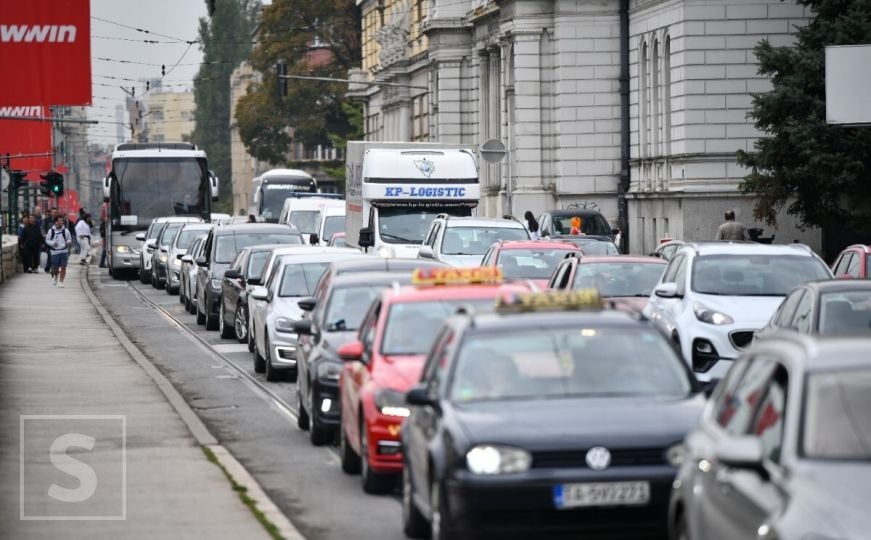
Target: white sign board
(848, 84)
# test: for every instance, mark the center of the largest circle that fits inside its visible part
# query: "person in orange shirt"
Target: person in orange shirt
(576, 226)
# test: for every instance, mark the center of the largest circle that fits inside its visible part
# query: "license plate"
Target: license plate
(601, 494)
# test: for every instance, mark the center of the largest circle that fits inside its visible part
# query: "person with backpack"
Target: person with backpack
(47, 225)
(59, 240)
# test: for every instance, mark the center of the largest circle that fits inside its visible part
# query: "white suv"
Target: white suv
(463, 241)
(713, 296)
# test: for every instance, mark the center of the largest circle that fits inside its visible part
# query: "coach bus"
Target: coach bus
(270, 190)
(147, 181)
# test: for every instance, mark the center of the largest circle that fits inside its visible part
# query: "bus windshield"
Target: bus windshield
(274, 193)
(148, 188)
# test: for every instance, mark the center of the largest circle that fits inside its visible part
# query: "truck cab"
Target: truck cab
(395, 190)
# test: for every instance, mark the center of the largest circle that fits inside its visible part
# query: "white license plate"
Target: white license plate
(601, 494)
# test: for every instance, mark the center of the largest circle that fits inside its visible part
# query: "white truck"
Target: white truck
(395, 190)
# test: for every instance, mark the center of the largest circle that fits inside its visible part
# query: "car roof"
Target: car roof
(643, 259)
(860, 247)
(538, 244)
(581, 237)
(178, 219)
(452, 292)
(375, 264)
(472, 221)
(748, 248)
(371, 278)
(823, 353)
(311, 257)
(197, 226)
(250, 228)
(839, 285)
(299, 249)
(335, 210)
(263, 247)
(592, 318)
(574, 212)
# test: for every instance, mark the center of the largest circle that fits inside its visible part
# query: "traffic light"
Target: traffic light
(17, 179)
(52, 184)
(281, 73)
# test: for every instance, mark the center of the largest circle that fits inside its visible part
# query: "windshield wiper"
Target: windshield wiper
(125, 233)
(400, 238)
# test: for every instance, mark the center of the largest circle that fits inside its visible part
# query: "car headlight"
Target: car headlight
(329, 372)
(710, 316)
(387, 252)
(215, 283)
(283, 324)
(122, 249)
(493, 459)
(162, 257)
(676, 454)
(392, 403)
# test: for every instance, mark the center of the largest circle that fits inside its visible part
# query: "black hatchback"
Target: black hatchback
(534, 424)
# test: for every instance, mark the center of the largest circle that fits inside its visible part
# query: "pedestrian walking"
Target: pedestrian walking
(71, 225)
(31, 243)
(103, 243)
(47, 225)
(532, 225)
(83, 235)
(59, 241)
(252, 218)
(731, 229)
(38, 213)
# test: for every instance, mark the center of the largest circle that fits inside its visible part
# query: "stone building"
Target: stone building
(243, 166)
(544, 77)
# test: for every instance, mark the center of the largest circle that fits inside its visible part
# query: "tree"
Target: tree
(820, 173)
(314, 39)
(225, 41)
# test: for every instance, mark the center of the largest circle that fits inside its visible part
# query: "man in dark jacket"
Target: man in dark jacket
(31, 244)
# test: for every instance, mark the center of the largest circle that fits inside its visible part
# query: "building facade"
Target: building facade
(544, 78)
(243, 166)
(169, 116)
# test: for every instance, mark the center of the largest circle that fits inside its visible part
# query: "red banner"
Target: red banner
(20, 139)
(45, 52)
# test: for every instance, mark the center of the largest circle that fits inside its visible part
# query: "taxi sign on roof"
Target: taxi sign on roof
(456, 276)
(584, 299)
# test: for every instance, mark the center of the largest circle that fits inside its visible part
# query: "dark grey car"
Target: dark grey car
(783, 449)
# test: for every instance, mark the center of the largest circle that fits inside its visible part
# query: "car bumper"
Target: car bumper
(125, 260)
(213, 302)
(711, 350)
(385, 448)
(325, 400)
(523, 504)
(161, 271)
(283, 353)
(174, 276)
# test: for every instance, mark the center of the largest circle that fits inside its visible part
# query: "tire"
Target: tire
(181, 295)
(211, 320)
(302, 416)
(317, 434)
(226, 332)
(414, 524)
(240, 325)
(259, 361)
(350, 459)
(144, 277)
(201, 318)
(440, 515)
(372, 482)
(272, 374)
(153, 279)
(680, 530)
(252, 344)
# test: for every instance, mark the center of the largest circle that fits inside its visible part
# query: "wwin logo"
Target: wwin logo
(52, 33)
(29, 110)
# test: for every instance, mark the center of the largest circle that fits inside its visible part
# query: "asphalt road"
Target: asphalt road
(254, 419)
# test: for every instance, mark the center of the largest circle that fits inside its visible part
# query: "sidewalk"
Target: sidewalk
(58, 357)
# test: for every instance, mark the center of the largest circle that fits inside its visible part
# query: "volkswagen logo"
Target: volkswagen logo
(598, 458)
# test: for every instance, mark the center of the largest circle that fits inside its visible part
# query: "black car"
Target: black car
(335, 316)
(244, 272)
(546, 423)
(555, 223)
(831, 308)
(219, 250)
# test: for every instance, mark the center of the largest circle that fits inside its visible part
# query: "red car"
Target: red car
(387, 359)
(528, 259)
(853, 262)
(626, 279)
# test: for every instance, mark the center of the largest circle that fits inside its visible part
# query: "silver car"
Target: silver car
(783, 449)
(187, 293)
(463, 241)
(275, 308)
(178, 249)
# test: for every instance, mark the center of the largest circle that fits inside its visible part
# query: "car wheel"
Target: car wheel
(252, 345)
(193, 302)
(414, 524)
(302, 415)
(272, 374)
(153, 279)
(144, 276)
(440, 516)
(350, 459)
(240, 325)
(259, 361)
(372, 482)
(181, 295)
(211, 320)
(318, 435)
(225, 330)
(159, 284)
(201, 318)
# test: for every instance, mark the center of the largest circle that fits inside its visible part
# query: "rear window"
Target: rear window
(529, 263)
(412, 326)
(300, 279)
(169, 234)
(229, 245)
(477, 240)
(836, 420)
(845, 313)
(619, 279)
(306, 221)
(594, 224)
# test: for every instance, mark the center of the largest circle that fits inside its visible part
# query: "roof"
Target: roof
(575, 212)
(825, 353)
(538, 244)
(314, 202)
(378, 264)
(197, 226)
(419, 164)
(251, 228)
(640, 259)
(452, 292)
(178, 219)
(158, 153)
(335, 210)
(325, 255)
(268, 175)
(861, 247)
(371, 278)
(299, 249)
(749, 248)
(605, 317)
(483, 222)
(839, 285)
(263, 247)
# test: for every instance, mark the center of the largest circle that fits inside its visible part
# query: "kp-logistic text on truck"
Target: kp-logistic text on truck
(395, 190)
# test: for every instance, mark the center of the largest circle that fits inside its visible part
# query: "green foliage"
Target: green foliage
(226, 40)
(820, 173)
(314, 39)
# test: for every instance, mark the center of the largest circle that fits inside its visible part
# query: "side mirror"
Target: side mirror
(313, 239)
(140, 236)
(307, 304)
(232, 274)
(419, 395)
(259, 293)
(302, 327)
(150, 243)
(740, 452)
(201, 261)
(351, 352)
(179, 256)
(186, 258)
(425, 252)
(666, 290)
(365, 239)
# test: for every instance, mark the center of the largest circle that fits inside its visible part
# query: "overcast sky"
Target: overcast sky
(176, 18)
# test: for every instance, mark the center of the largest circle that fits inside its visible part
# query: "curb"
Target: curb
(198, 429)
